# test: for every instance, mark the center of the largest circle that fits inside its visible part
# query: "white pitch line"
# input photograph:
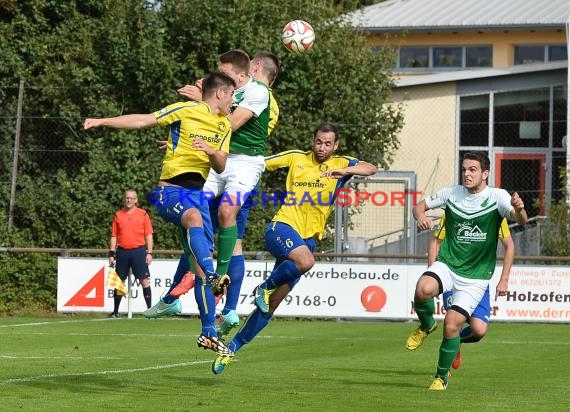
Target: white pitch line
(17, 357)
(132, 335)
(52, 323)
(108, 372)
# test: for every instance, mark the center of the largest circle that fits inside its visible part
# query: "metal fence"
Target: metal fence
(34, 143)
(380, 219)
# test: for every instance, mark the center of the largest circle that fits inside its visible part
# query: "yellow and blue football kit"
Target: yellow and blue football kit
(189, 121)
(308, 203)
(300, 221)
(185, 169)
(310, 197)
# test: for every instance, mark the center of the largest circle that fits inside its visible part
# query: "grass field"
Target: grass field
(82, 363)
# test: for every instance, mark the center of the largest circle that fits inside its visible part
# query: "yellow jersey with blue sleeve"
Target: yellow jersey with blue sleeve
(310, 198)
(188, 121)
(504, 230)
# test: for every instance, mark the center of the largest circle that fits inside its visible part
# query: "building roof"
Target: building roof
(478, 74)
(461, 15)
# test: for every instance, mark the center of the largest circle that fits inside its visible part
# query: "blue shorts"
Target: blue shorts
(171, 202)
(482, 311)
(281, 239)
(133, 259)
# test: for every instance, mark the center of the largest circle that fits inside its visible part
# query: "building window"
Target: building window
(557, 52)
(522, 118)
(522, 156)
(529, 54)
(440, 57)
(414, 57)
(540, 53)
(447, 57)
(474, 120)
(478, 56)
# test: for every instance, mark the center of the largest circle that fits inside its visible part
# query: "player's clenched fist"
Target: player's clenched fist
(517, 202)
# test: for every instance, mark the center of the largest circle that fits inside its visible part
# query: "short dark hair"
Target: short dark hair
(269, 62)
(327, 128)
(481, 157)
(237, 58)
(214, 81)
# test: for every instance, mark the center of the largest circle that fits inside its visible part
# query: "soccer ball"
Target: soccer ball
(298, 36)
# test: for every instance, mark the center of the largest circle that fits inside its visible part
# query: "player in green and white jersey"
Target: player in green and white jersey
(467, 256)
(481, 316)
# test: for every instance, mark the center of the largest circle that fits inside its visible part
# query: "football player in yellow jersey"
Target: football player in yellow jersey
(479, 320)
(263, 68)
(199, 139)
(291, 236)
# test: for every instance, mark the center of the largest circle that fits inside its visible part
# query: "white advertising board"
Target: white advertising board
(357, 290)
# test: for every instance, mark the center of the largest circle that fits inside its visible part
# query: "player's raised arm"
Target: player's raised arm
(359, 169)
(127, 121)
(192, 91)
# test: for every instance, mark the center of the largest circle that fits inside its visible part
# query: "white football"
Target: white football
(298, 36)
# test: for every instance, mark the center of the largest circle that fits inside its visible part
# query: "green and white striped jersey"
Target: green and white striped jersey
(472, 222)
(251, 137)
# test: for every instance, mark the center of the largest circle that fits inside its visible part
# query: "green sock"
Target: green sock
(447, 352)
(226, 242)
(424, 310)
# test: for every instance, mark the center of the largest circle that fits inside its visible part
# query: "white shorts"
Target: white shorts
(467, 293)
(241, 175)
